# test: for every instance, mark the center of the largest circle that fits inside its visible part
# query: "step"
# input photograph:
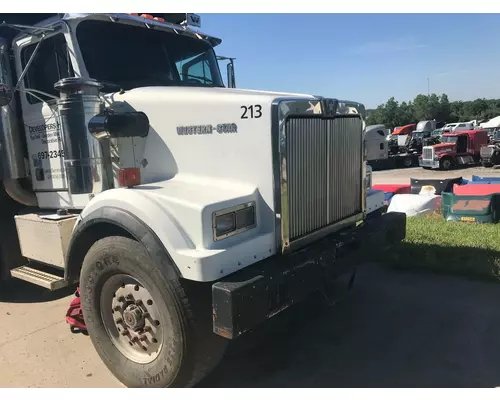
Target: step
(39, 278)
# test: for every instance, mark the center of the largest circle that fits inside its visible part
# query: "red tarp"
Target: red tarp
(476, 189)
(396, 189)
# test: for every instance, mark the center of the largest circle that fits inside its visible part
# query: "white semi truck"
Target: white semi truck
(187, 212)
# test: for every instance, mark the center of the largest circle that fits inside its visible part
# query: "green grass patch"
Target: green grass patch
(457, 248)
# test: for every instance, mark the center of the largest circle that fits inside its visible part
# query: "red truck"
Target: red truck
(456, 148)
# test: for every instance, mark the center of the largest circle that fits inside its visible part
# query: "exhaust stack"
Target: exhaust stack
(86, 169)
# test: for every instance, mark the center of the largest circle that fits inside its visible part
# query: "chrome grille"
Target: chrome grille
(428, 153)
(323, 172)
(486, 151)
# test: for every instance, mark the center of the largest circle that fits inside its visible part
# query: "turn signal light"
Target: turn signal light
(129, 177)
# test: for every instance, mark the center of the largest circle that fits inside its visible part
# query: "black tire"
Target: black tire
(408, 162)
(446, 163)
(189, 349)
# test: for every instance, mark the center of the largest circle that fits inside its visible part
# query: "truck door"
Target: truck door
(45, 150)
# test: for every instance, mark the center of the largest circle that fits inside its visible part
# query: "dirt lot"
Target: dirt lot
(398, 176)
(395, 329)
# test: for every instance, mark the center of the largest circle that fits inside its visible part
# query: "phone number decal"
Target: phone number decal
(42, 155)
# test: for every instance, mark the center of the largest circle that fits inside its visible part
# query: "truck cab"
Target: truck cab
(490, 153)
(187, 212)
(457, 148)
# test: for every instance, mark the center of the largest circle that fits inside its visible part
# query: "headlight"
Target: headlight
(368, 179)
(233, 220)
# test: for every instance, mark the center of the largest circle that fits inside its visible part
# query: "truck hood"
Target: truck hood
(442, 147)
(204, 92)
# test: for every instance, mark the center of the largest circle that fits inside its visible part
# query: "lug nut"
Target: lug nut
(138, 302)
(154, 340)
(121, 299)
(129, 297)
(136, 288)
(144, 348)
(149, 302)
(117, 308)
(119, 320)
(157, 323)
(124, 333)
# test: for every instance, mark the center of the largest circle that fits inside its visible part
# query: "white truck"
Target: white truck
(187, 212)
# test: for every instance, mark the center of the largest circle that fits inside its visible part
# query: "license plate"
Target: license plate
(468, 219)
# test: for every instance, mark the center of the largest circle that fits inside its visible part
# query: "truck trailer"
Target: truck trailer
(188, 213)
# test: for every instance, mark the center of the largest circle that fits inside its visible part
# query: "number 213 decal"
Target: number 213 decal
(254, 111)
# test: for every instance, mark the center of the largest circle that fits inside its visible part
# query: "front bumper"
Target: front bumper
(428, 163)
(374, 200)
(242, 301)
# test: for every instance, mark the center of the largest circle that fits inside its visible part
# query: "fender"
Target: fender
(115, 217)
(153, 212)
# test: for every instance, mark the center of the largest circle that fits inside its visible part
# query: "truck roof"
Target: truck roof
(172, 21)
(406, 129)
(471, 132)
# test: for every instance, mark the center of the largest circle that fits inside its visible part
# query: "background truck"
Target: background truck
(400, 149)
(457, 148)
(490, 153)
(188, 213)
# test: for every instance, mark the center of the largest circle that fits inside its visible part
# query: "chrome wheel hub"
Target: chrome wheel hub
(131, 318)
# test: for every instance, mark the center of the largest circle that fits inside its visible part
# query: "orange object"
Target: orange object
(159, 19)
(130, 177)
(148, 16)
(405, 130)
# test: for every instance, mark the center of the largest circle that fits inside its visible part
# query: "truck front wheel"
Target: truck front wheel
(145, 327)
(446, 163)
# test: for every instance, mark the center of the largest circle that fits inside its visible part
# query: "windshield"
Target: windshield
(132, 56)
(448, 139)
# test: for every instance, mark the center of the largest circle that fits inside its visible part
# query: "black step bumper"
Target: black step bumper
(247, 298)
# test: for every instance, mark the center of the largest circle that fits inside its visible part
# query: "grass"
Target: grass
(456, 248)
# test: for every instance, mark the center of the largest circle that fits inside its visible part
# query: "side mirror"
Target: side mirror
(6, 95)
(231, 81)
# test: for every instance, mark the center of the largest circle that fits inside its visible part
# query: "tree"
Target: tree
(424, 108)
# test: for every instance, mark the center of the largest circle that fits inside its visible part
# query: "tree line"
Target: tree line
(423, 108)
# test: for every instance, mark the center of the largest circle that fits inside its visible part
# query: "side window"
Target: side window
(195, 68)
(51, 63)
(381, 132)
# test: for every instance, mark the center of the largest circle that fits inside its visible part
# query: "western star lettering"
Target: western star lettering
(207, 129)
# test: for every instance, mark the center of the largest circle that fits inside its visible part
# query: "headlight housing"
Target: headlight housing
(234, 220)
(368, 179)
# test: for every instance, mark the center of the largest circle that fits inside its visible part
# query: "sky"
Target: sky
(363, 57)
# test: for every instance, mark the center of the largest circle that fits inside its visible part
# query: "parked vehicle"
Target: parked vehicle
(458, 126)
(187, 212)
(490, 153)
(457, 148)
(383, 150)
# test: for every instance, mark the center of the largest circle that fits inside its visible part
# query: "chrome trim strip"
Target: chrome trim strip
(316, 235)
